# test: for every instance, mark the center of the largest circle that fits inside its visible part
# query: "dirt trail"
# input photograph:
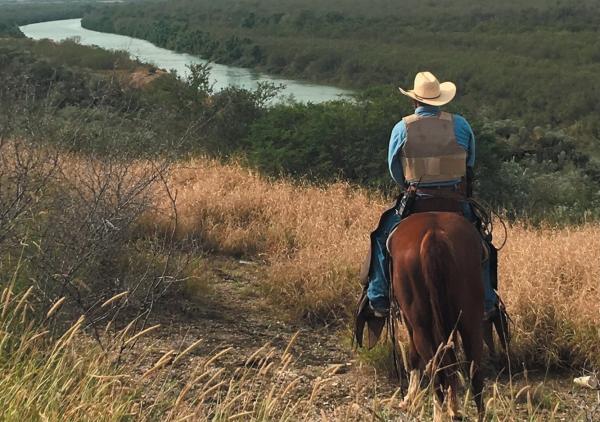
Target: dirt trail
(233, 313)
(227, 310)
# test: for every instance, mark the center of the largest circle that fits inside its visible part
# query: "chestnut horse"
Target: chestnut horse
(437, 283)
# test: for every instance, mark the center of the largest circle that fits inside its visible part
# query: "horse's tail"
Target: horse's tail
(438, 265)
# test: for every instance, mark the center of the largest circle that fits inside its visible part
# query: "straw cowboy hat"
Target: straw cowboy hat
(428, 90)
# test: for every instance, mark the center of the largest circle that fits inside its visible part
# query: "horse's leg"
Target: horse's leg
(424, 346)
(501, 325)
(473, 346)
(414, 387)
(414, 378)
(451, 383)
(452, 402)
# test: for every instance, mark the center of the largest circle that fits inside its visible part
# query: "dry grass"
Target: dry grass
(50, 376)
(550, 281)
(268, 387)
(64, 375)
(314, 239)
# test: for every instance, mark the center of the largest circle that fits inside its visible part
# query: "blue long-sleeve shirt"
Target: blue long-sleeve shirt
(462, 131)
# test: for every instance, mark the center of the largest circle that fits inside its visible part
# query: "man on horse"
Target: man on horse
(431, 154)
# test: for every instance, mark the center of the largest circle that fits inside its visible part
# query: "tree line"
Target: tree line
(539, 62)
(14, 14)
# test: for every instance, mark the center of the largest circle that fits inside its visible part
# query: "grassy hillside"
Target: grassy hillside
(314, 240)
(311, 246)
(119, 199)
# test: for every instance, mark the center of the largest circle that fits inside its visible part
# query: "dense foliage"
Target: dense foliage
(14, 14)
(537, 61)
(526, 170)
(527, 77)
(86, 97)
(76, 90)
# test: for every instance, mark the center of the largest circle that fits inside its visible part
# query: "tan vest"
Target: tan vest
(431, 153)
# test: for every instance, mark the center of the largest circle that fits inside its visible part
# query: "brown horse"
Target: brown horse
(437, 283)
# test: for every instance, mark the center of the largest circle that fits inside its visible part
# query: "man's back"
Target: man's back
(463, 135)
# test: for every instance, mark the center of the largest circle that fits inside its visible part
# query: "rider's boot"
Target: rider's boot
(379, 309)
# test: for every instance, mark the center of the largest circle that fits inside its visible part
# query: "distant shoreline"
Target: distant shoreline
(163, 58)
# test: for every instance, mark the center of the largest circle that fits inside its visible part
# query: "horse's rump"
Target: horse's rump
(441, 248)
(437, 284)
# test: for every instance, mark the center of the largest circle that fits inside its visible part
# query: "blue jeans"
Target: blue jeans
(379, 271)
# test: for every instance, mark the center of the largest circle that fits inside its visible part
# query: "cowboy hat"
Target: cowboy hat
(428, 90)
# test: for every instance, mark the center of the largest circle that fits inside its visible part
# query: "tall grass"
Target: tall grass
(315, 238)
(549, 279)
(63, 376)
(47, 374)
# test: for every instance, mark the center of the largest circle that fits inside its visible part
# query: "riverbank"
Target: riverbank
(221, 76)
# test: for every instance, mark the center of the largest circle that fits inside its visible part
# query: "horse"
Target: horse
(437, 284)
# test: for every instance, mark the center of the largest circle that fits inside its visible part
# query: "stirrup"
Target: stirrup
(379, 313)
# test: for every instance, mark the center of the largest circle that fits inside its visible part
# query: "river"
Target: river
(221, 75)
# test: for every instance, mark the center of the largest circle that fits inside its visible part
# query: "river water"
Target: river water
(221, 75)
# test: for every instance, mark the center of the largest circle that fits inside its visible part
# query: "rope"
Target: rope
(481, 208)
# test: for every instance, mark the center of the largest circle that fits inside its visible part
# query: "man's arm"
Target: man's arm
(397, 139)
(466, 138)
(470, 161)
